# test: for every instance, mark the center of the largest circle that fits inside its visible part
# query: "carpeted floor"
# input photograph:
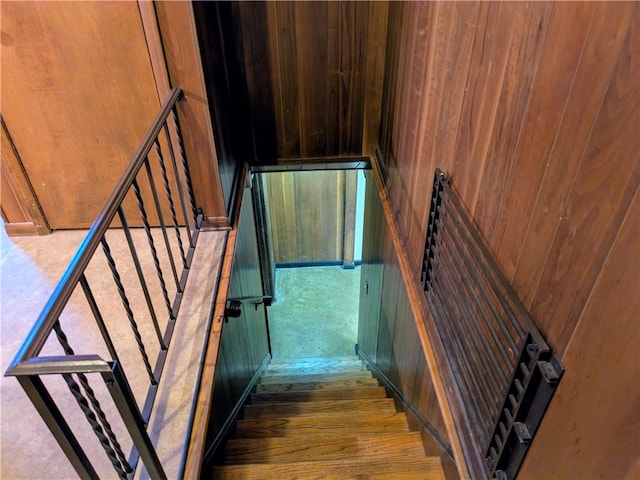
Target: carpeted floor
(315, 313)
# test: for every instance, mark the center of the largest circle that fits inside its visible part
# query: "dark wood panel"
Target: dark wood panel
(562, 52)
(311, 215)
(220, 40)
(599, 198)
(540, 146)
(281, 18)
(243, 342)
(592, 432)
(371, 271)
(592, 79)
(374, 76)
(530, 27)
(387, 331)
(312, 69)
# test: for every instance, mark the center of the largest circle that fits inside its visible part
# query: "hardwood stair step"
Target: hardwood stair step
(314, 368)
(321, 424)
(318, 395)
(427, 468)
(348, 358)
(325, 407)
(298, 387)
(320, 377)
(321, 447)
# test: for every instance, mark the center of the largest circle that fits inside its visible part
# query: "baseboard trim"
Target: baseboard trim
(407, 404)
(319, 263)
(233, 415)
(25, 229)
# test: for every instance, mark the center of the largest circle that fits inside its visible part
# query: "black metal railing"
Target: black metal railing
(504, 370)
(150, 308)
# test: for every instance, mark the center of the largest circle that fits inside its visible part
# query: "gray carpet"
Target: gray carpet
(315, 313)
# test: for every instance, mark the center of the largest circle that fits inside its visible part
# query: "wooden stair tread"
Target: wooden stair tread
(323, 447)
(426, 468)
(323, 407)
(317, 377)
(321, 424)
(297, 387)
(314, 368)
(314, 395)
(348, 358)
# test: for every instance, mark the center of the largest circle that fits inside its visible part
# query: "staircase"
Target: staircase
(324, 419)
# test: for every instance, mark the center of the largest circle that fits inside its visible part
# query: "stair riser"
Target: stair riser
(314, 378)
(396, 469)
(331, 407)
(315, 395)
(301, 387)
(330, 360)
(321, 425)
(313, 369)
(286, 450)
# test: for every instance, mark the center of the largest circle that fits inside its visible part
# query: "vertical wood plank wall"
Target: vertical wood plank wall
(387, 331)
(243, 343)
(220, 41)
(311, 215)
(314, 74)
(533, 109)
(177, 27)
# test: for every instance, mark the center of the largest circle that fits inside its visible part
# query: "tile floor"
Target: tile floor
(29, 270)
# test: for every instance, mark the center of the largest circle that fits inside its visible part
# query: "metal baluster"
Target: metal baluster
(143, 282)
(152, 246)
(163, 226)
(125, 403)
(167, 188)
(100, 424)
(178, 183)
(127, 307)
(58, 426)
(98, 316)
(174, 116)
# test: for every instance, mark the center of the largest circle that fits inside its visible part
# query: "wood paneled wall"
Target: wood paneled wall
(220, 42)
(78, 101)
(180, 50)
(314, 74)
(243, 341)
(533, 109)
(387, 331)
(311, 215)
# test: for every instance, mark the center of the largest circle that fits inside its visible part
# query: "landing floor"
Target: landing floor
(30, 267)
(315, 313)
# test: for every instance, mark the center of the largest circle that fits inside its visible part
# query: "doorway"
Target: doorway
(312, 224)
